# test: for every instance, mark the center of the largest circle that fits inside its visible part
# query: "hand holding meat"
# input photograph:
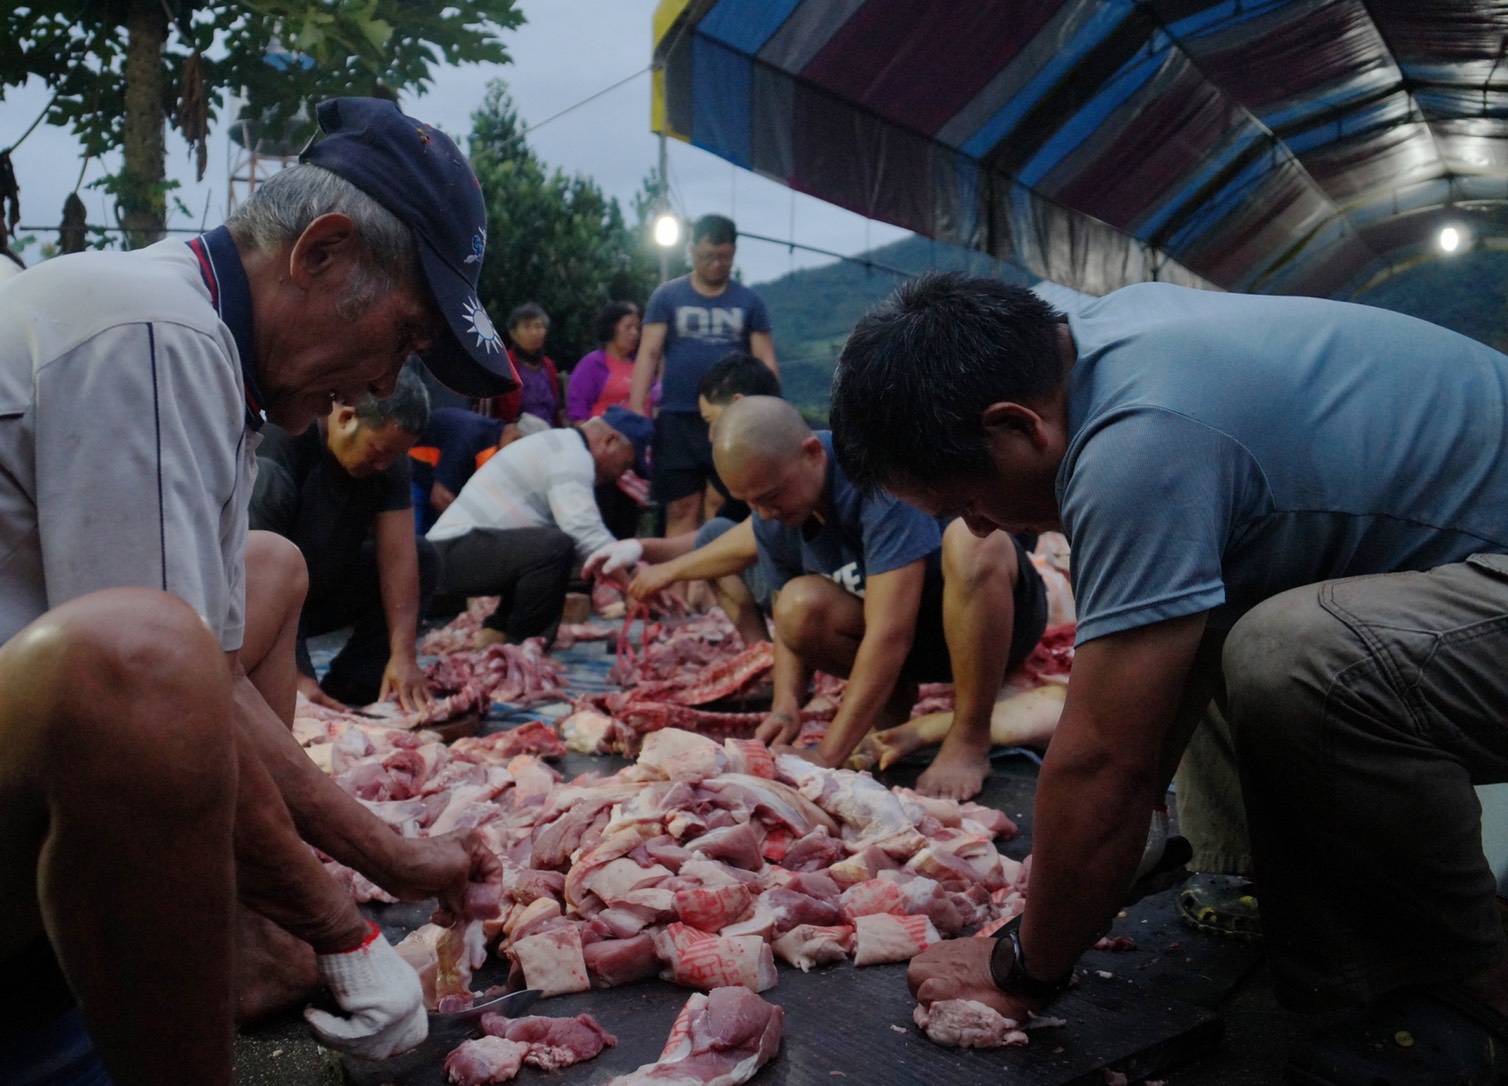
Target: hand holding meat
(649, 582)
(476, 893)
(451, 867)
(960, 969)
(613, 560)
(404, 681)
(380, 996)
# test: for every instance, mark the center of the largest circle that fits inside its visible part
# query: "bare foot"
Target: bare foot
(274, 970)
(958, 772)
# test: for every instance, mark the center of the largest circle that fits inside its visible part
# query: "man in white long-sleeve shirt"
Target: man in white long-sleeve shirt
(529, 515)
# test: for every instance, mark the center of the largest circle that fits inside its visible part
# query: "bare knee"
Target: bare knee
(805, 613)
(128, 680)
(275, 569)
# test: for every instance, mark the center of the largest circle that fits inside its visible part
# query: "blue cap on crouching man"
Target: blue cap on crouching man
(639, 430)
(418, 174)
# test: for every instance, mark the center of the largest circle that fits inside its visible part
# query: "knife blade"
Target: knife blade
(509, 1005)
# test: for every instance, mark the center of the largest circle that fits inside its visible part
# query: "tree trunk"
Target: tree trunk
(142, 197)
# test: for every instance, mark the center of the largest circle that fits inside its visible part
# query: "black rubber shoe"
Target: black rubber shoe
(1435, 1036)
(1225, 909)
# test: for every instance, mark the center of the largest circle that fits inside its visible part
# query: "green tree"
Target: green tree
(121, 69)
(551, 238)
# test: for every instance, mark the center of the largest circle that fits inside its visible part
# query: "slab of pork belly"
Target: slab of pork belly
(721, 1038)
(485, 1061)
(966, 1023)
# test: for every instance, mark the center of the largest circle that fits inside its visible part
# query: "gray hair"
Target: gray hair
(408, 406)
(283, 206)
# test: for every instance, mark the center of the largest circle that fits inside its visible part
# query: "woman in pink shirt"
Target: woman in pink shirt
(603, 377)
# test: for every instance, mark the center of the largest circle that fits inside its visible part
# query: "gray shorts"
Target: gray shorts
(756, 577)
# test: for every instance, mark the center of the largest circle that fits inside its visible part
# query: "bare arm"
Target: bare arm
(1098, 783)
(646, 366)
(276, 873)
(1099, 780)
(663, 550)
(891, 602)
(398, 581)
(730, 552)
(338, 825)
(762, 347)
(790, 679)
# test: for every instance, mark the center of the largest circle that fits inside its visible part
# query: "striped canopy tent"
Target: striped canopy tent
(1285, 146)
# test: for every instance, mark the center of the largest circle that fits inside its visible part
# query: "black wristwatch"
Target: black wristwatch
(1008, 971)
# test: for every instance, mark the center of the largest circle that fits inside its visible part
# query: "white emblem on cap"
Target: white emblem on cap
(481, 326)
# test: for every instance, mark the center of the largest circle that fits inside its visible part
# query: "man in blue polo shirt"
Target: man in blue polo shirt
(1229, 470)
(689, 324)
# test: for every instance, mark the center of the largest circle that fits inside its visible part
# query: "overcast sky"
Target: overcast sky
(566, 52)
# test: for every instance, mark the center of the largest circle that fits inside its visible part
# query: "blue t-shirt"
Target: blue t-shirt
(698, 331)
(861, 536)
(1224, 449)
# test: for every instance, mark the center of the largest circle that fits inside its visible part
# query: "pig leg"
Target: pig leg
(117, 793)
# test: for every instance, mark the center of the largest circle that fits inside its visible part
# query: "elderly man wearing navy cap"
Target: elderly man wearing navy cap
(150, 781)
(529, 516)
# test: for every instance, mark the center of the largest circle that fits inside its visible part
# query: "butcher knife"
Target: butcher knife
(509, 1005)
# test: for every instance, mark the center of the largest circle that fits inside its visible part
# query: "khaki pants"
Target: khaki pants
(1363, 712)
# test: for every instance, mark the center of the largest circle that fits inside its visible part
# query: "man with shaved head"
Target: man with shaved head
(867, 587)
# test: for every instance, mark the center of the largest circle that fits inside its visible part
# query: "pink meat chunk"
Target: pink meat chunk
(552, 961)
(966, 1023)
(714, 909)
(807, 945)
(881, 937)
(614, 962)
(720, 1038)
(552, 1043)
(696, 959)
(484, 1061)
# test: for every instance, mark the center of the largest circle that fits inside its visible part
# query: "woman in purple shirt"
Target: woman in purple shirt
(605, 376)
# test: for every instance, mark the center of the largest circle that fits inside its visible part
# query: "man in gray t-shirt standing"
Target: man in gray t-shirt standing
(689, 324)
(1228, 470)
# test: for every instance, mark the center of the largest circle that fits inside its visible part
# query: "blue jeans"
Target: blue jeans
(58, 1054)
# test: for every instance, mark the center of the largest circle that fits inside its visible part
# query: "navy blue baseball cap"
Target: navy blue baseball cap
(639, 430)
(417, 173)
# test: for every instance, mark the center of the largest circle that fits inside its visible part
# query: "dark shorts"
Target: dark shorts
(682, 460)
(928, 661)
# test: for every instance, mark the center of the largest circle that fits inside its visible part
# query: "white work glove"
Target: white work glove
(621, 554)
(381, 997)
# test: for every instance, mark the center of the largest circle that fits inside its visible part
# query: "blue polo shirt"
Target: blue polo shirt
(1225, 448)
